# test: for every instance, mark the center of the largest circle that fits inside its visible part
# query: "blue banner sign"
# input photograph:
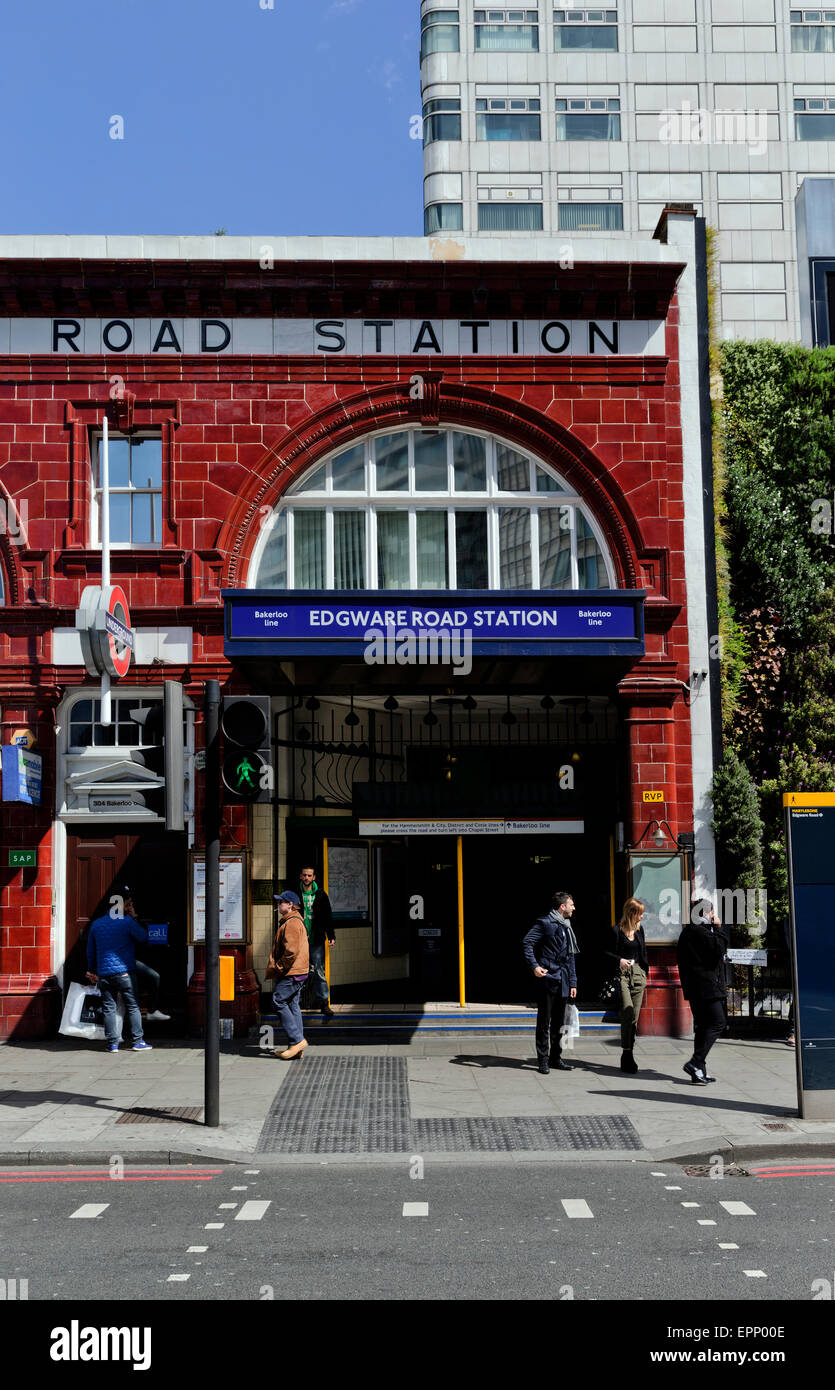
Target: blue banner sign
(22, 775)
(282, 624)
(158, 933)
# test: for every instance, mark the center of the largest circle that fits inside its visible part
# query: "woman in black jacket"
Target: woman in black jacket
(628, 954)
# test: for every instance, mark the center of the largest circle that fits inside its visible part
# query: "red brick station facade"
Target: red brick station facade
(476, 425)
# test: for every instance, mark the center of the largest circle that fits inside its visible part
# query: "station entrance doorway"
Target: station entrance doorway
(463, 826)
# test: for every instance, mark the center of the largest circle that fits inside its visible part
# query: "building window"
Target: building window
(510, 217)
(86, 729)
(507, 31)
(441, 120)
(510, 118)
(432, 509)
(135, 490)
(443, 217)
(590, 217)
(439, 33)
(584, 29)
(813, 31)
(814, 118)
(588, 118)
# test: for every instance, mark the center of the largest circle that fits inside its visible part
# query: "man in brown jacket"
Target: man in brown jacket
(290, 953)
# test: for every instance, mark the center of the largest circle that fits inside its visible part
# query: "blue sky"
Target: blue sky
(293, 120)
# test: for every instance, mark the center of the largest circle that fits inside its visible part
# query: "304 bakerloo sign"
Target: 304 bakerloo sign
(355, 337)
(103, 621)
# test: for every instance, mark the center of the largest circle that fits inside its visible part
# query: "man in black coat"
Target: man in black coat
(550, 947)
(701, 955)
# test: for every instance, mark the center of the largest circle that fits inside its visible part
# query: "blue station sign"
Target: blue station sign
(602, 622)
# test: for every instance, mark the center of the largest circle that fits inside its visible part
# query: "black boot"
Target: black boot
(544, 1066)
(627, 1061)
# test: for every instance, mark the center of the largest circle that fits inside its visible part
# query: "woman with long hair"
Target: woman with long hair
(628, 954)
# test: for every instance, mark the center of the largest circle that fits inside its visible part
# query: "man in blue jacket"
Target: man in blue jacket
(111, 959)
(550, 947)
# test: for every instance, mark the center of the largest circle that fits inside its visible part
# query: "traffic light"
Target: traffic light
(247, 772)
(162, 730)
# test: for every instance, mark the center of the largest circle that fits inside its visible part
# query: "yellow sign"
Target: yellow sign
(653, 796)
(809, 798)
(23, 738)
(227, 977)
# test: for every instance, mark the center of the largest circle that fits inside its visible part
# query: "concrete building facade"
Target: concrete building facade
(565, 120)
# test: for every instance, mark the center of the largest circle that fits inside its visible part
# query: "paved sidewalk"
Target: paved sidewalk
(68, 1101)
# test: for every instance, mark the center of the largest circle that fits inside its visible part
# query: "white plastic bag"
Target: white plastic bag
(572, 1021)
(71, 1024)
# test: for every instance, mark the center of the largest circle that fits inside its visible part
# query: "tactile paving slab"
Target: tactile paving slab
(361, 1105)
(531, 1132)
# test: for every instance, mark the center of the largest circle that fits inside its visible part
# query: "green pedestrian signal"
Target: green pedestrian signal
(247, 772)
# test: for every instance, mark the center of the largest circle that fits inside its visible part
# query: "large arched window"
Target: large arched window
(431, 509)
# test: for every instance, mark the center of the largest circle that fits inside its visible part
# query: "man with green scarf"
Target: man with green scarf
(318, 919)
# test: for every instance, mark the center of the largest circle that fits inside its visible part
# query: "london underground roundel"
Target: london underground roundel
(103, 621)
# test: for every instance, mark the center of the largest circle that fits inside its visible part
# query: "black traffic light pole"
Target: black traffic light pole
(211, 715)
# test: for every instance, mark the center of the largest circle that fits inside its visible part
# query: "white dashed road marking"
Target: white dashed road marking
(672, 1189)
(197, 1249)
(251, 1172)
(576, 1206)
(227, 1206)
(415, 1208)
(241, 1189)
(213, 1226)
(252, 1211)
(178, 1278)
(691, 1204)
(704, 1222)
(755, 1273)
(737, 1209)
(90, 1209)
(658, 1175)
(727, 1245)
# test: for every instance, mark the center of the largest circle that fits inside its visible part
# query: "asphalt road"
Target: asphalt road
(581, 1231)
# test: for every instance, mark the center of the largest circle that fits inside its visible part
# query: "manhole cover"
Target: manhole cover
(706, 1170)
(160, 1115)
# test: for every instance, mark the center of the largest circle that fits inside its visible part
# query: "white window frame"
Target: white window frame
(372, 501)
(95, 492)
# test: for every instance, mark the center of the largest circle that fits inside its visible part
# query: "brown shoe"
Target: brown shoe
(290, 1052)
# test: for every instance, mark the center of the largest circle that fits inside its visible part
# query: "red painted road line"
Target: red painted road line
(109, 1177)
(792, 1172)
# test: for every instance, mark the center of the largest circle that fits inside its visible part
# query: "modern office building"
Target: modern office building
(564, 120)
(326, 456)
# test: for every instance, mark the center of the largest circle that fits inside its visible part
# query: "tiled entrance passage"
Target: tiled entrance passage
(361, 1105)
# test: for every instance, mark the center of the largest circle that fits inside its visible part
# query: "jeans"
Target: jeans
(317, 970)
(151, 979)
(110, 986)
(550, 1014)
(286, 1000)
(710, 1017)
(633, 982)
